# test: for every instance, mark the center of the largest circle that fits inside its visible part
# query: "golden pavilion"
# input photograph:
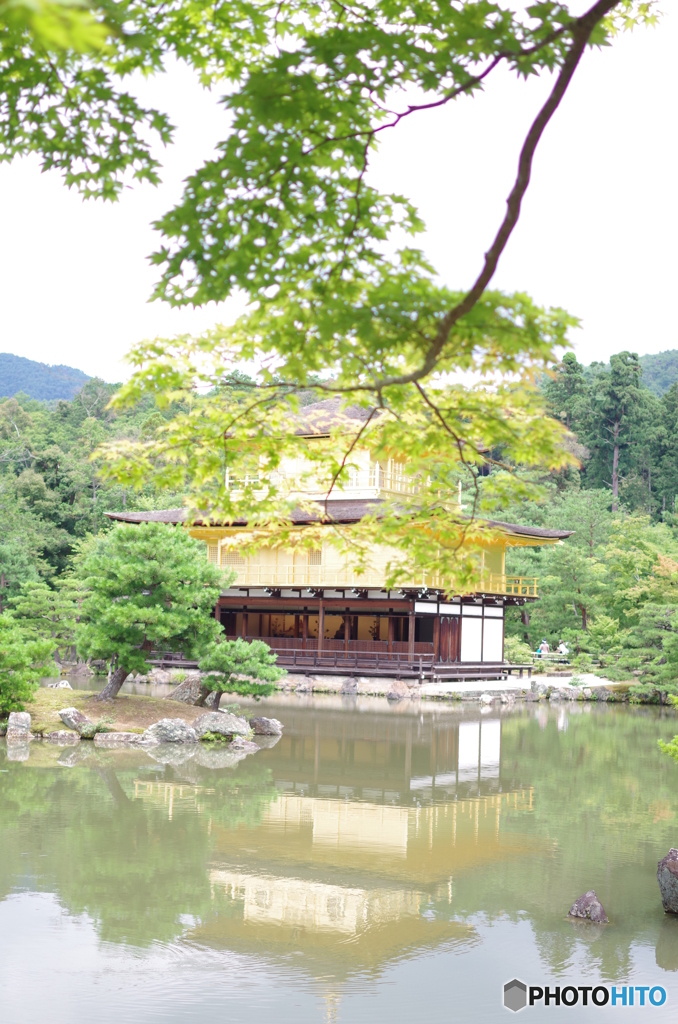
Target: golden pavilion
(323, 614)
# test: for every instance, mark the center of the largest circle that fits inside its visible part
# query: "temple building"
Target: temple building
(323, 614)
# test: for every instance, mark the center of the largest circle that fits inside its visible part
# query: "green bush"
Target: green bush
(22, 662)
(516, 651)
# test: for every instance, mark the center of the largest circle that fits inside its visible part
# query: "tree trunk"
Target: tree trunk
(113, 685)
(203, 695)
(525, 619)
(217, 700)
(582, 609)
(615, 466)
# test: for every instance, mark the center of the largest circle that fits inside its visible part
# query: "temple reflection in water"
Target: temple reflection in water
(372, 818)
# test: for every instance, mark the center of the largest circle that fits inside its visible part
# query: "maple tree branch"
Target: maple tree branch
(581, 32)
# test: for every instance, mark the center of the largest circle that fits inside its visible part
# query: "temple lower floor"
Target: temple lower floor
(369, 631)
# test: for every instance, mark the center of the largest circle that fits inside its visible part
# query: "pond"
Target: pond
(375, 864)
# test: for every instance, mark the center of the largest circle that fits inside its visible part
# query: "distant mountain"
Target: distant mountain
(38, 380)
(660, 371)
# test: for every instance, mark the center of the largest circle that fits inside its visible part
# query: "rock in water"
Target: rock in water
(63, 685)
(75, 719)
(112, 740)
(170, 730)
(667, 876)
(589, 907)
(19, 728)
(221, 723)
(63, 737)
(266, 726)
(243, 745)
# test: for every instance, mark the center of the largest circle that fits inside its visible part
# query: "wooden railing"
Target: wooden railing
(253, 575)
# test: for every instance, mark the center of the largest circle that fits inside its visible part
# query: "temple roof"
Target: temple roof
(337, 511)
(319, 418)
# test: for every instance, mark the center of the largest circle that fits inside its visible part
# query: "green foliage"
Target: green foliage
(146, 587)
(51, 492)
(610, 591)
(23, 660)
(49, 613)
(610, 406)
(670, 748)
(516, 651)
(230, 660)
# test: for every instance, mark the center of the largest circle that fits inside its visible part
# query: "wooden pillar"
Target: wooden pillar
(304, 630)
(410, 637)
(321, 626)
(347, 632)
(296, 627)
(354, 628)
(391, 633)
(436, 638)
(244, 625)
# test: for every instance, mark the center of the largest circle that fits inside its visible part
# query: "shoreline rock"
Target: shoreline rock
(169, 730)
(18, 728)
(75, 719)
(266, 726)
(63, 737)
(222, 723)
(115, 740)
(667, 877)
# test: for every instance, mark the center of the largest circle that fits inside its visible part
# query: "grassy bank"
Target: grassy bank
(127, 713)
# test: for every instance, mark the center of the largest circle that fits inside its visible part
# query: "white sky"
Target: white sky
(596, 234)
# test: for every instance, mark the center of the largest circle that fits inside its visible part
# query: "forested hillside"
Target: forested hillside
(50, 494)
(38, 380)
(660, 371)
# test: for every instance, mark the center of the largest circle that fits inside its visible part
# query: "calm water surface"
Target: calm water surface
(375, 864)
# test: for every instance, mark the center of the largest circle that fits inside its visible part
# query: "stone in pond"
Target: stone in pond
(589, 906)
(63, 685)
(75, 719)
(266, 726)
(221, 723)
(63, 737)
(19, 728)
(243, 745)
(115, 740)
(170, 730)
(667, 876)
